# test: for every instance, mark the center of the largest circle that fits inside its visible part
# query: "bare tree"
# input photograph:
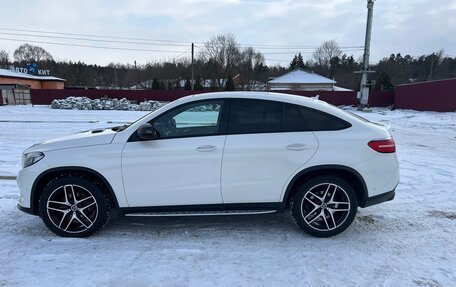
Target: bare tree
(324, 57)
(29, 53)
(248, 61)
(223, 53)
(4, 58)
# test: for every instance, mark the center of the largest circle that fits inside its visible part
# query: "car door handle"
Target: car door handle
(296, 146)
(206, 148)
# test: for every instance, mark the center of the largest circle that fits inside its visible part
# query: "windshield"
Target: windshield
(121, 128)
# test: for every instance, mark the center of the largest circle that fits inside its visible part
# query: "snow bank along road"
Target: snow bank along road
(410, 241)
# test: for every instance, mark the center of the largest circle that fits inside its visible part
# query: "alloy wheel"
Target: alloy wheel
(72, 208)
(325, 206)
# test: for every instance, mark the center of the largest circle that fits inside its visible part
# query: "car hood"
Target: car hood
(81, 139)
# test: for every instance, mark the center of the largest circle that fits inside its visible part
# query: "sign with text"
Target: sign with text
(31, 69)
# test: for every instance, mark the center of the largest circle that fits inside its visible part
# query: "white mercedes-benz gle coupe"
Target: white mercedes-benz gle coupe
(215, 153)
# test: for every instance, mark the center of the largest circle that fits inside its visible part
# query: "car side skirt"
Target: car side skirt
(263, 206)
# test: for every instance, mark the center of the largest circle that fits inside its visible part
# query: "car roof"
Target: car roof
(309, 102)
(258, 95)
(287, 98)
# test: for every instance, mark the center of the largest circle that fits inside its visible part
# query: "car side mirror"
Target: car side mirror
(147, 132)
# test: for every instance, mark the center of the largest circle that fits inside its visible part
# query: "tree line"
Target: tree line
(222, 64)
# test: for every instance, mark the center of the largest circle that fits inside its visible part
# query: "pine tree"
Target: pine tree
(383, 83)
(297, 62)
(198, 85)
(155, 84)
(188, 85)
(229, 86)
(293, 63)
(177, 84)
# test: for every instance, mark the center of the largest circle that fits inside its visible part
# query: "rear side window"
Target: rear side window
(248, 116)
(320, 121)
(255, 116)
(293, 121)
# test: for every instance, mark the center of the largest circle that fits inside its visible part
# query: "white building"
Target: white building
(301, 80)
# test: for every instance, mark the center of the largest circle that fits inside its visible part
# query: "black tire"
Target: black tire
(324, 206)
(69, 218)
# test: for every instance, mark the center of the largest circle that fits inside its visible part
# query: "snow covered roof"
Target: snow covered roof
(12, 74)
(340, 89)
(299, 76)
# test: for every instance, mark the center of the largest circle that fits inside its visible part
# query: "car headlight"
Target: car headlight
(31, 158)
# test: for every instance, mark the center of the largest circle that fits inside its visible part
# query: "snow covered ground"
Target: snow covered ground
(410, 241)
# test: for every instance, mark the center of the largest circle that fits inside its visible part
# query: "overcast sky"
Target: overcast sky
(412, 27)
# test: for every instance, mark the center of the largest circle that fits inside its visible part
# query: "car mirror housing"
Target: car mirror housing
(147, 132)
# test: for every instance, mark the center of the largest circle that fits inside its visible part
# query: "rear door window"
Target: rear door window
(255, 116)
(248, 116)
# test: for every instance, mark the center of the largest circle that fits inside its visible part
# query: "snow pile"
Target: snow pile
(206, 108)
(84, 103)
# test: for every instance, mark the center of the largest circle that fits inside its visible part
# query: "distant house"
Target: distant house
(15, 85)
(10, 77)
(301, 80)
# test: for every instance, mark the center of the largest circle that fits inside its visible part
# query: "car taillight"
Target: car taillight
(383, 146)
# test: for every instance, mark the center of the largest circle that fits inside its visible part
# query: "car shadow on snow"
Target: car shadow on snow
(219, 226)
(225, 224)
(229, 225)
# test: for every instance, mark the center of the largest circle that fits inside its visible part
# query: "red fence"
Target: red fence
(336, 98)
(45, 97)
(437, 96)
(381, 98)
(376, 98)
(428, 96)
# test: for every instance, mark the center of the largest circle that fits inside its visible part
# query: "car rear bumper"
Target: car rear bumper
(387, 196)
(25, 209)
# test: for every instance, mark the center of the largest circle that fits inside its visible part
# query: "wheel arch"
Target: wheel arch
(353, 177)
(43, 179)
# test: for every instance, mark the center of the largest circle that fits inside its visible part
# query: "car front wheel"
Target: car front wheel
(73, 206)
(324, 206)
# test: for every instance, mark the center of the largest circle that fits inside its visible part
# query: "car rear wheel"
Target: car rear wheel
(73, 207)
(324, 206)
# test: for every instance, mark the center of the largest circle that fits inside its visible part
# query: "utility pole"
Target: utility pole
(364, 88)
(136, 74)
(432, 67)
(193, 80)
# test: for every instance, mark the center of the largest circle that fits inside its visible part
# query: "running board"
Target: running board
(201, 213)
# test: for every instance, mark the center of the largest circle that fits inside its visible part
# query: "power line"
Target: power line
(182, 43)
(90, 46)
(93, 40)
(280, 47)
(96, 36)
(305, 52)
(276, 60)
(183, 53)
